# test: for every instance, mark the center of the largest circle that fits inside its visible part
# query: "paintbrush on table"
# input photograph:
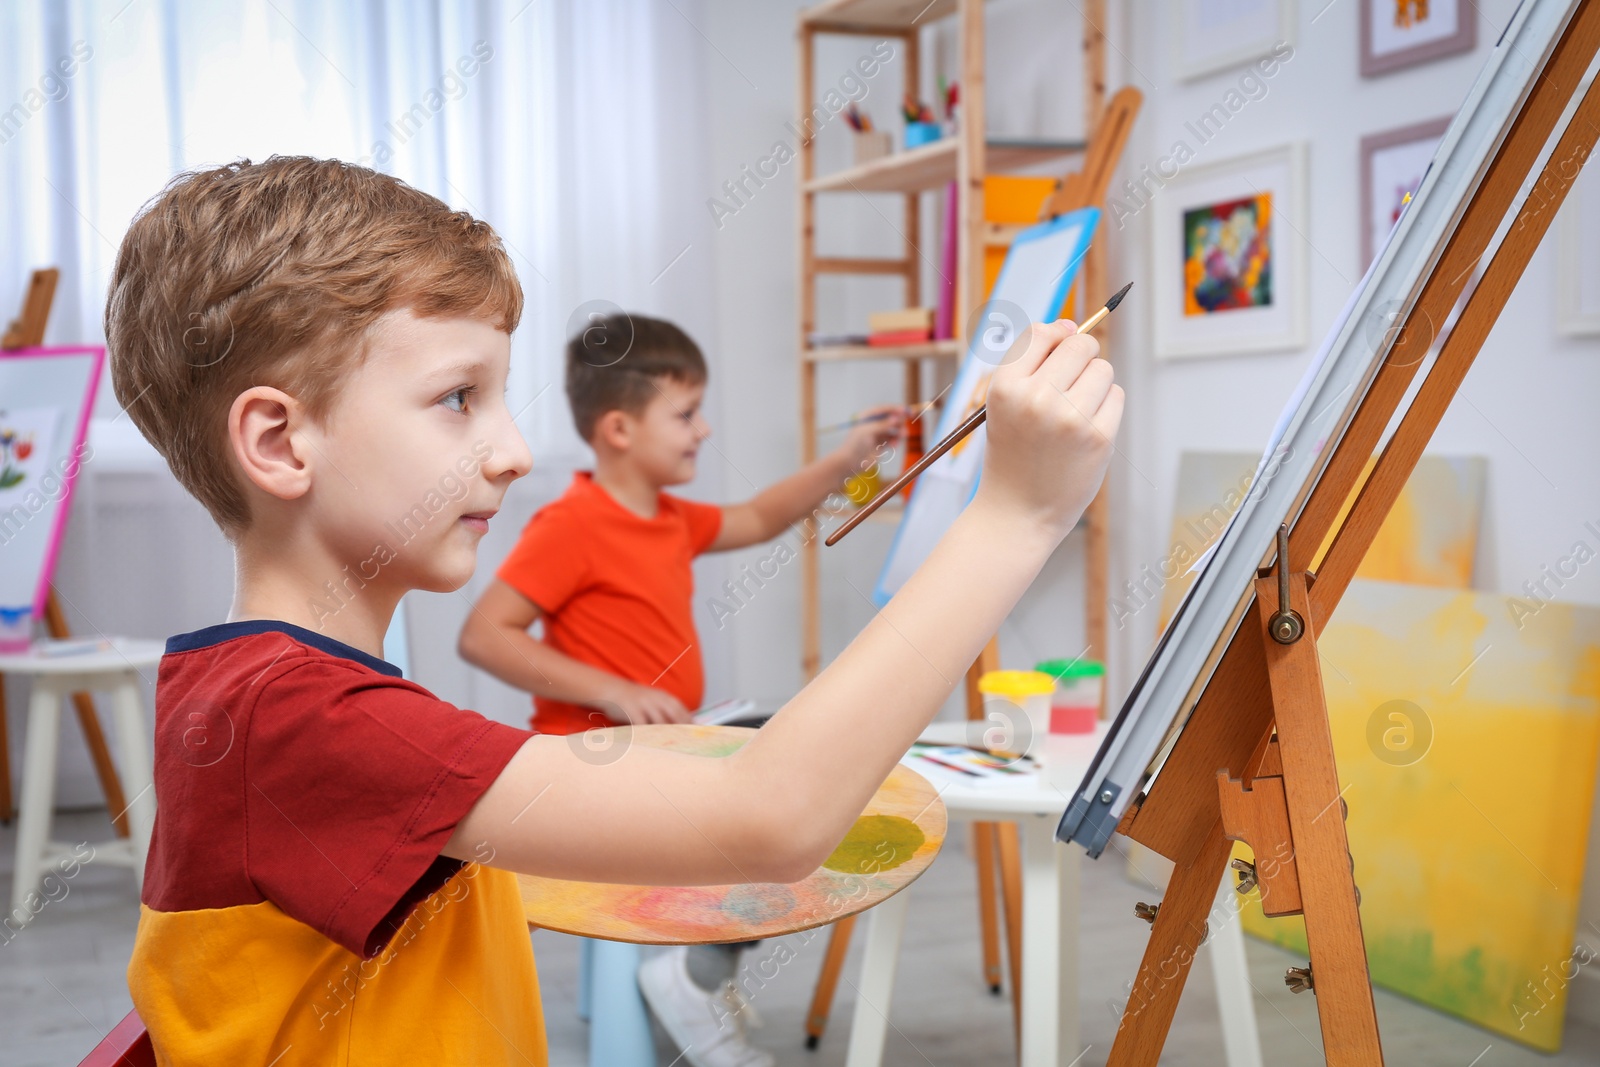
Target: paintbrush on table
(955, 436)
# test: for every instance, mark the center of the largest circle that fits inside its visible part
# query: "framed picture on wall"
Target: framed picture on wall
(1230, 257)
(1402, 33)
(1392, 165)
(1213, 35)
(1578, 257)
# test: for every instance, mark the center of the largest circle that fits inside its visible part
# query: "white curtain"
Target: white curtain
(570, 125)
(573, 126)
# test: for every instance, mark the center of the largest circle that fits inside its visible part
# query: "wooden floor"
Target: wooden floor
(62, 985)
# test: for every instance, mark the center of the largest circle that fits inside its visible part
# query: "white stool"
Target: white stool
(55, 678)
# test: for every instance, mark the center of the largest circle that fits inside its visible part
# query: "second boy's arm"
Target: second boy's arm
(495, 638)
(794, 498)
(774, 810)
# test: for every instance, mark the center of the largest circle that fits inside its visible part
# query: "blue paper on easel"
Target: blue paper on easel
(1033, 283)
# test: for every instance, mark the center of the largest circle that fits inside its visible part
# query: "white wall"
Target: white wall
(1527, 405)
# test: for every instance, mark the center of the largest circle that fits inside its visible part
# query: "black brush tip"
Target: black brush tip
(1111, 305)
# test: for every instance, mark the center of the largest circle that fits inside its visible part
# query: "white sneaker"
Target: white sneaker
(708, 1027)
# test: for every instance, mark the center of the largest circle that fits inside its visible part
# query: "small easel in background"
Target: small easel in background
(27, 331)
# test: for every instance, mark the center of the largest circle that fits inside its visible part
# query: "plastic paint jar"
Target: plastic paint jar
(1075, 704)
(860, 488)
(16, 629)
(1021, 696)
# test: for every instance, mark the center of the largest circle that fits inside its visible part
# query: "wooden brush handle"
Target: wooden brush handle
(955, 436)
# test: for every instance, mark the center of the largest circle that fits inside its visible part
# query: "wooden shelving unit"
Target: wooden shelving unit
(964, 159)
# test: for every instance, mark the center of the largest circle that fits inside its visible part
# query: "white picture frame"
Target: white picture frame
(1435, 29)
(1216, 35)
(1392, 165)
(1578, 257)
(1275, 326)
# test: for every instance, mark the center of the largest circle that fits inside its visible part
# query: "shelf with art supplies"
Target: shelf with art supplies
(932, 165)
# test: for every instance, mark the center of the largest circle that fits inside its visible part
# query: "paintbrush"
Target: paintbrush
(955, 436)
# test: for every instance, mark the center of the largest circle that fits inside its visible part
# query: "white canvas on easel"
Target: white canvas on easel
(47, 393)
(1038, 272)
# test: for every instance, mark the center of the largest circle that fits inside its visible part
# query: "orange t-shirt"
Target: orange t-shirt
(615, 589)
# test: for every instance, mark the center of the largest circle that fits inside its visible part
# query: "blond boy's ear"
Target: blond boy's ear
(614, 430)
(265, 427)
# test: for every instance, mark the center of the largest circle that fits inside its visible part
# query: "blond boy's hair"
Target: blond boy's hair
(272, 274)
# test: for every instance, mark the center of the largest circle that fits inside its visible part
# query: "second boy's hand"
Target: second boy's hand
(642, 704)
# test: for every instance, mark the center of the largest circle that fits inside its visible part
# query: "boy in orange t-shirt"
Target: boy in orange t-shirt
(606, 569)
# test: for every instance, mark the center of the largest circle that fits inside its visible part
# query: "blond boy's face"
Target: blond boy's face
(419, 448)
(664, 439)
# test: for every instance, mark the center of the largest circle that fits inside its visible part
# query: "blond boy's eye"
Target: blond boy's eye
(457, 401)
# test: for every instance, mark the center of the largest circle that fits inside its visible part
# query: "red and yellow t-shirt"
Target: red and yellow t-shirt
(616, 591)
(296, 908)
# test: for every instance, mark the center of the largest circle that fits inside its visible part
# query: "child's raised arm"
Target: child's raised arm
(799, 496)
(775, 809)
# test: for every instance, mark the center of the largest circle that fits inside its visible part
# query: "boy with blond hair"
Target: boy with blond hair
(331, 874)
(606, 570)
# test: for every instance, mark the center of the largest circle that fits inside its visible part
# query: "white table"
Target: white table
(55, 679)
(1050, 911)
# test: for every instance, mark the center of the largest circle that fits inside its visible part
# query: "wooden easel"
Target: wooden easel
(1255, 761)
(997, 847)
(27, 331)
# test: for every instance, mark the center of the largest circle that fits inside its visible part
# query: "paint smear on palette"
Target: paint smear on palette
(682, 907)
(876, 843)
(759, 903)
(885, 851)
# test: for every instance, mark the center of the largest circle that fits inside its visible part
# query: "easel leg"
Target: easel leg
(1345, 1009)
(1174, 937)
(828, 981)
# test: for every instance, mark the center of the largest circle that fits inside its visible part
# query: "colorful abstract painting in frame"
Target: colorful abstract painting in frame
(1466, 734)
(1230, 257)
(1227, 256)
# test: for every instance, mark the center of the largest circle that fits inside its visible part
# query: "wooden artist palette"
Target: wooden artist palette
(891, 844)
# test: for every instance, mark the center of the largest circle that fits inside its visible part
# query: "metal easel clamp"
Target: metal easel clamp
(1286, 625)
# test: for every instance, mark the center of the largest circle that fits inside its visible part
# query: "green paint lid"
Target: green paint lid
(1071, 668)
